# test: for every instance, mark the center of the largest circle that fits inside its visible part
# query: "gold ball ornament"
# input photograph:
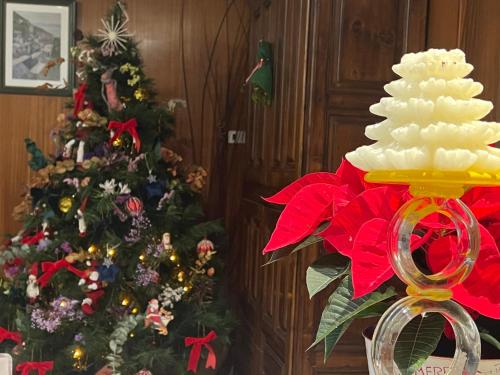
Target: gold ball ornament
(93, 249)
(187, 287)
(180, 276)
(111, 252)
(65, 204)
(78, 353)
(118, 142)
(140, 94)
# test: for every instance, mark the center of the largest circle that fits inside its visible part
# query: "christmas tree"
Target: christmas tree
(114, 266)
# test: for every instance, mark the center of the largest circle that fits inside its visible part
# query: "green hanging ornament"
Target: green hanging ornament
(37, 161)
(261, 77)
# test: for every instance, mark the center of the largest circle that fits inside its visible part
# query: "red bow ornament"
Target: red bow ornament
(79, 99)
(8, 335)
(49, 269)
(33, 240)
(118, 128)
(40, 367)
(198, 343)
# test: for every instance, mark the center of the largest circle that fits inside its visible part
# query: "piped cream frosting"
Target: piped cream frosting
(433, 120)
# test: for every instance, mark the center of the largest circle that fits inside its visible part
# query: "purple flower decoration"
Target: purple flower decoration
(62, 308)
(66, 247)
(43, 244)
(79, 338)
(145, 276)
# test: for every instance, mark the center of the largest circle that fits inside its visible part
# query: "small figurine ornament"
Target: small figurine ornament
(205, 250)
(167, 245)
(205, 246)
(32, 289)
(93, 288)
(109, 93)
(158, 317)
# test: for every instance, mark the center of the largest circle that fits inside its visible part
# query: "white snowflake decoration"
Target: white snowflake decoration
(115, 33)
(108, 187)
(170, 296)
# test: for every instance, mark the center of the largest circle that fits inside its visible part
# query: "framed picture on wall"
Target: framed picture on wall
(36, 38)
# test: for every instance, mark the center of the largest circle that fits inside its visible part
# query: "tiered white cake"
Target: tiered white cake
(433, 120)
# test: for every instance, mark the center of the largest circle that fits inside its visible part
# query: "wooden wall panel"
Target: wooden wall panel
(273, 158)
(354, 43)
(471, 25)
(157, 26)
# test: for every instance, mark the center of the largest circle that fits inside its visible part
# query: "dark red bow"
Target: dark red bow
(125, 127)
(79, 99)
(40, 367)
(8, 335)
(49, 269)
(33, 240)
(198, 343)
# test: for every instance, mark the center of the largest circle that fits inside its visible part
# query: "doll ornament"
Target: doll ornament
(158, 317)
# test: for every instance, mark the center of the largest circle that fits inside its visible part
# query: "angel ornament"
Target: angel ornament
(32, 288)
(158, 317)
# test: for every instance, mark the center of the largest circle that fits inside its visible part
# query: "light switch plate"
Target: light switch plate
(236, 137)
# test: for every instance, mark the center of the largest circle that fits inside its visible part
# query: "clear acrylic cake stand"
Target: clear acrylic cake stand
(430, 293)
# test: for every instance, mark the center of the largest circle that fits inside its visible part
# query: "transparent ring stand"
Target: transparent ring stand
(430, 293)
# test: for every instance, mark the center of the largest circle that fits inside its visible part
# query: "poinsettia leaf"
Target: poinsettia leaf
(324, 271)
(284, 252)
(341, 307)
(417, 342)
(303, 214)
(287, 193)
(486, 336)
(481, 289)
(352, 176)
(381, 202)
(333, 338)
(483, 201)
(370, 259)
(311, 240)
(278, 254)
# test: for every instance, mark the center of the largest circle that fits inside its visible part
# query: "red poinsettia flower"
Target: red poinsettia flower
(311, 200)
(359, 214)
(481, 290)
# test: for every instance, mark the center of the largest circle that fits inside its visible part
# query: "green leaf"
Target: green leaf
(285, 251)
(341, 307)
(311, 240)
(490, 339)
(417, 341)
(333, 338)
(324, 271)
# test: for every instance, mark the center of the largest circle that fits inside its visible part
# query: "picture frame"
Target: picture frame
(36, 38)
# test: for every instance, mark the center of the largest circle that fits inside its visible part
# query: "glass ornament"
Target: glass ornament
(430, 293)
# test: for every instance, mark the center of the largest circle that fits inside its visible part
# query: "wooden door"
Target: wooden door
(353, 45)
(273, 158)
(332, 58)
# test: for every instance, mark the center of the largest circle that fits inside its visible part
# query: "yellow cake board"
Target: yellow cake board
(433, 183)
